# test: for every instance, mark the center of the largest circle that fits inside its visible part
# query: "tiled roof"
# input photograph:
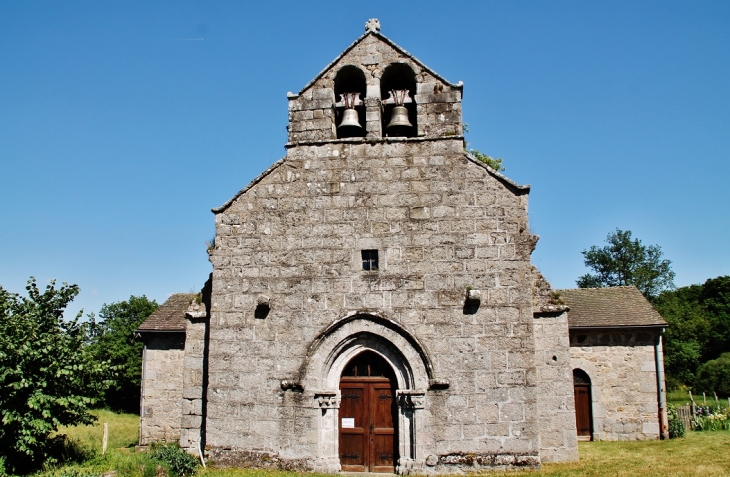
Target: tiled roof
(170, 316)
(609, 307)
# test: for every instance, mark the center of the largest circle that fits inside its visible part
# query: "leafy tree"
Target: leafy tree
(48, 375)
(495, 164)
(115, 342)
(699, 327)
(624, 261)
(714, 376)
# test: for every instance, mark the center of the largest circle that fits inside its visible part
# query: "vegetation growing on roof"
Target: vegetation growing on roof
(495, 164)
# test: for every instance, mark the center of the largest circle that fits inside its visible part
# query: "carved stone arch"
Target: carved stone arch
(339, 342)
(322, 369)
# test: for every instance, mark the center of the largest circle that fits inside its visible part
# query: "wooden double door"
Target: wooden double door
(368, 440)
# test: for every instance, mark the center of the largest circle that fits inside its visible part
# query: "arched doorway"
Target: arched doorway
(368, 440)
(583, 407)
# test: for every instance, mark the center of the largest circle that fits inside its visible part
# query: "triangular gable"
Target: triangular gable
(515, 187)
(272, 167)
(390, 43)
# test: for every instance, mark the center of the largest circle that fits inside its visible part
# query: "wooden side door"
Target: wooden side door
(382, 437)
(354, 426)
(583, 410)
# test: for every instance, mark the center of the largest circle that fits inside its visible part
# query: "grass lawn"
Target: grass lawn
(705, 454)
(123, 430)
(680, 397)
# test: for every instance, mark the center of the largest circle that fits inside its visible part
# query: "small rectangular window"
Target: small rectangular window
(369, 259)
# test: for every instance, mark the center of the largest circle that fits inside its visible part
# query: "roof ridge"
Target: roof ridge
(258, 179)
(598, 288)
(393, 45)
(495, 173)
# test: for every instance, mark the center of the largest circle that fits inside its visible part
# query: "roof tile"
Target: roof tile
(609, 307)
(170, 316)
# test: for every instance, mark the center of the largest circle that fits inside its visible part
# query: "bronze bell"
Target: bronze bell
(399, 118)
(350, 119)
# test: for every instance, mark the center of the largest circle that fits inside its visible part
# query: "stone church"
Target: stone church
(372, 305)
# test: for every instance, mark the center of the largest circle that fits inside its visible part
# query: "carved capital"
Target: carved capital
(327, 399)
(411, 399)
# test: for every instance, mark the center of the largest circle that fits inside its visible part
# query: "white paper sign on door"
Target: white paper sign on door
(348, 422)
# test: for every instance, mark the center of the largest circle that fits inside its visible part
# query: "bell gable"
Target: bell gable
(375, 89)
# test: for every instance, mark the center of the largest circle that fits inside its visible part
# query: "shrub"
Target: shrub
(178, 462)
(709, 418)
(676, 426)
(48, 376)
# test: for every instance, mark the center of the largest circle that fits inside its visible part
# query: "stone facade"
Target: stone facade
(442, 223)
(161, 407)
(556, 406)
(622, 368)
(384, 242)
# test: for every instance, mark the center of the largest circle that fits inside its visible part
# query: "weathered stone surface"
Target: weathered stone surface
(478, 341)
(622, 369)
(161, 406)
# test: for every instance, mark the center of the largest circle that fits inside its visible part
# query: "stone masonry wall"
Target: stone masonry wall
(441, 224)
(438, 104)
(622, 369)
(555, 399)
(162, 388)
(193, 384)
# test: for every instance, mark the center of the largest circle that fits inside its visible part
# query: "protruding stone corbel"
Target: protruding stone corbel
(411, 398)
(327, 399)
(291, 385)
(263, 305)
(438, 383)
(472, 297)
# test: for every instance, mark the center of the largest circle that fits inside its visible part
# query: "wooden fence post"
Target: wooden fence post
(105, 439)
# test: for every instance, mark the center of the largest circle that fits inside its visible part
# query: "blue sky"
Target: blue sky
(123, 123)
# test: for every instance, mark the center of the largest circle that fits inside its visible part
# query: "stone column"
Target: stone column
(328, 460)
(409, 403)
(373, 112)
(194, 383)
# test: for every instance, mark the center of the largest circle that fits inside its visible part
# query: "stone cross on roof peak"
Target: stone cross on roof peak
(372, 25)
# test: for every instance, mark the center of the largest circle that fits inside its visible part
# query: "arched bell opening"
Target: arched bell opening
(368, 424)
(583, 404)
(398, 93)
(350, 89)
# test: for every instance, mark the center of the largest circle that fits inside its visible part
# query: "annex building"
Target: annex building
(372, 305)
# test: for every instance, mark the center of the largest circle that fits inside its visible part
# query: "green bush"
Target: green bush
(676, 426)
(178, 462)
(48, 376)
(714, 376)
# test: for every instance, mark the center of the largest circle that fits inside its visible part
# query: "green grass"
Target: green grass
(123, 430)
(699, 454)
(680, 397)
